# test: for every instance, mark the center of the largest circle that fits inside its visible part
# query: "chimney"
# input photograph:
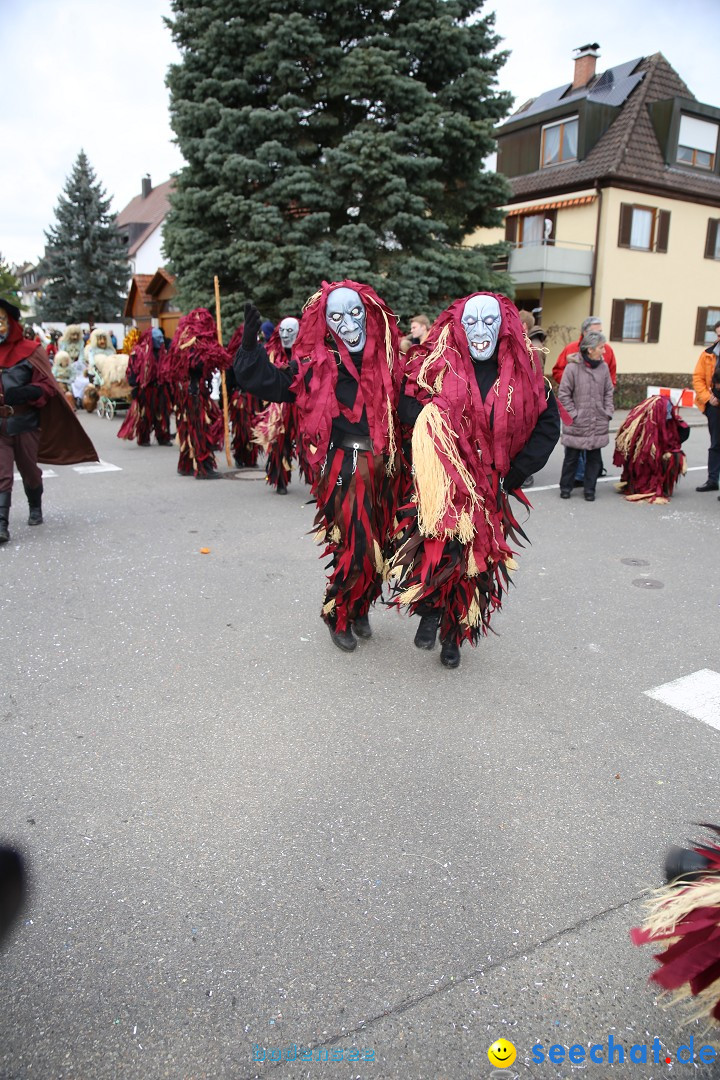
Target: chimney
(585, 58)
(146, 186)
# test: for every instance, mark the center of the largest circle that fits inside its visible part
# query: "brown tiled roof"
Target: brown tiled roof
(148, 212)
(629, 151)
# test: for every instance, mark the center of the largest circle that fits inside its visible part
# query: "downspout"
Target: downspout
(595, 253)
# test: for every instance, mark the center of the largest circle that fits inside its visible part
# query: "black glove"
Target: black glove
(20, 395)
(251, 329)
(513, 480)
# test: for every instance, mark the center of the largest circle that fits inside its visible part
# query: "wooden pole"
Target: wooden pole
(226, 411)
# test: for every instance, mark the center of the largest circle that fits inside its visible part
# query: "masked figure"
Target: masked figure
(194, 357)
(345, 380)
(99, 344)
(72, 343)
(147, 374)
(275, 430)
(648, 446)
(27, 390)
(243, 413)
(484, 419)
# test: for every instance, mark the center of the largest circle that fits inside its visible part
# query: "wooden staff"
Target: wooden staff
(226, 411)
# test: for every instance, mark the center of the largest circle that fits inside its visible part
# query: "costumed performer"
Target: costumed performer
(484, 419)
(648, 446)
(345, 378)
(99, 344)
(275, 427)
(151, 404)
(194, 355)
(243, 412)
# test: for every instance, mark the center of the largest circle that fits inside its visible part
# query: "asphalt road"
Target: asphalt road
(243, 840)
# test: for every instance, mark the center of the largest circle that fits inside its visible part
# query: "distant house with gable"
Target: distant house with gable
(150, 298)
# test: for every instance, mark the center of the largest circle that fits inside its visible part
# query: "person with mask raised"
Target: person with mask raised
(586, 392)
(151, 405)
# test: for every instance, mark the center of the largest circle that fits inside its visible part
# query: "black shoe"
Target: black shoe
(707, 486)
(35, 516)
(281, 491)
(450, 654)
(589, 496)
(343, 639)
(426, 632)
(565, 494)
(361, 627)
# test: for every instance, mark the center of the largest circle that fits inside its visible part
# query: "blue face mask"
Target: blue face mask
(157, 337)
(346, 316)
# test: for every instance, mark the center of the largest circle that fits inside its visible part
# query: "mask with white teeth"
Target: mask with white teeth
(481, 321)
(288, 331)
(346, 316)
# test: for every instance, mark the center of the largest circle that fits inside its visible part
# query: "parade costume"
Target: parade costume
(99, 345)
(72, 343)
(36, 421)
(484, 419)
(194, 355)
(345, 379)
(685, 916)
(243, 412)
(648, 447)
(147, 374)
(275, 428)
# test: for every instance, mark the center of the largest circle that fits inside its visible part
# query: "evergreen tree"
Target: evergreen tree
(85, 259)
(343, 139)
(9, 284)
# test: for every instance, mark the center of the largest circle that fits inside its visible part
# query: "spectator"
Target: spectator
(706, 384)
(586, 391)
(419, 330)
(593, 322)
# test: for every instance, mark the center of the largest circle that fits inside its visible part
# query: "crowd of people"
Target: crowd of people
(417, 448)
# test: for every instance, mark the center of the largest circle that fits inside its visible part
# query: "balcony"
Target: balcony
(564, 264)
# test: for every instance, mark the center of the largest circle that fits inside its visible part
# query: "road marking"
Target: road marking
(46, 474)
(97, 466)
(697, 695)
(604, 480)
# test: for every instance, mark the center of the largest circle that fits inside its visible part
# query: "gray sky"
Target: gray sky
(90, 74)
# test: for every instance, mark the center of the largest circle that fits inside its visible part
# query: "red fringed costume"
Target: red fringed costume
(686, 917)
(275, 430)
(481, 428)
(148, 375)
(243, 410)
(648, 447)
(194, 355)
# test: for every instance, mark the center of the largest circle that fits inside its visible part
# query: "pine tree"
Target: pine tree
(85, 259)
(333, 140)
(9, 284)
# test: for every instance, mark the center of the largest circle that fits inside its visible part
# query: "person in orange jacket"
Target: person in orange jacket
(593, 322)
(706, 384)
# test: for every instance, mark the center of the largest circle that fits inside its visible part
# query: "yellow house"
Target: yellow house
(615, 211)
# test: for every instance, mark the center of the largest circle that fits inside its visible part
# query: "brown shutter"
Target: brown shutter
(663, 230)
(616, 320)
(700, 325)
(711, 240)
(511, 229)
(653, 334)
(626, 212)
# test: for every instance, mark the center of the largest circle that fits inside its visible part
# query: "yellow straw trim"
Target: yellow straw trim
(334, 535)
(312, 300)
(432, 481)
(379, 561)
(436, 354)
(330, 606)
(472, 567)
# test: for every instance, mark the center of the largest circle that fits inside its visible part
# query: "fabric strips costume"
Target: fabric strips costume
(243, 411)
(148, 375)
(275, 430)
(485, 418)
(346, 382)
(648, 447)
(194, 355)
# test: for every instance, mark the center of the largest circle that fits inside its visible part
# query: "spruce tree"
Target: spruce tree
(85, 259)
(9, 284)
(333, 140)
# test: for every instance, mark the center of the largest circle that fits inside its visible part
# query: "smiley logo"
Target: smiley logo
(502, 1054)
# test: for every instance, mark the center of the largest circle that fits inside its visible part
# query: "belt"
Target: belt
(356, 442)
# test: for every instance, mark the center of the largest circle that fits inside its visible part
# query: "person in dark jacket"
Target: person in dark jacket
(586, 392)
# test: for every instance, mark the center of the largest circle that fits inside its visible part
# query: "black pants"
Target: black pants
(712, 412)
(593, 468)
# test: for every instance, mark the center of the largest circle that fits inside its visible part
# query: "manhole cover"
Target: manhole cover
(648, 583)
(635, 562)
(242, 474)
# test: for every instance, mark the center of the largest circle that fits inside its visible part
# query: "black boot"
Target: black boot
(34, 498)
(4, 516)
(344, 639)
(426, 632)
(361, 627)
(450, 654)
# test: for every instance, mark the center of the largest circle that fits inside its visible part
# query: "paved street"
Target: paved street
(242, 838)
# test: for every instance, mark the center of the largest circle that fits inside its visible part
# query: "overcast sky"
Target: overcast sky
(90, 74)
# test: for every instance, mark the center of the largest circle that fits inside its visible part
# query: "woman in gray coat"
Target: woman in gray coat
(586, 391)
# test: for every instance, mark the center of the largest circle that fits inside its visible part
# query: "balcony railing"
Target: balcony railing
(551, 264)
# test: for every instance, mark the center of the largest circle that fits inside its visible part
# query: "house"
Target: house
(150, 302)
(32, 284)
(615, 211)
(152, 288)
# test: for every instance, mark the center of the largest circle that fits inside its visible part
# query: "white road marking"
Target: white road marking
(697, 695)
(606, 480)
(46, 473)
(97, 466)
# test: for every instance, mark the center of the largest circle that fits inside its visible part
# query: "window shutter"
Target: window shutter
(700, 324)
(616, 320)
(663, 230)
(511, 229)
(626, 213)
(711, 240)
(653, 334)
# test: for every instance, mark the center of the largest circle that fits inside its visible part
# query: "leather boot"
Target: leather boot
(4, 516)
(34, 498)
(426, 632)
(450, 654)
(361, 627)
(344, 639)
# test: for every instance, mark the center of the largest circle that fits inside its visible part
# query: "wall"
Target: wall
(148, 256)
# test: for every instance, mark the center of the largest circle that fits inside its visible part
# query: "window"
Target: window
(644, 228)
(635, 320)
(527, 230)
(705, 325)
(697, 142)
(712, 240)
(559, 142)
